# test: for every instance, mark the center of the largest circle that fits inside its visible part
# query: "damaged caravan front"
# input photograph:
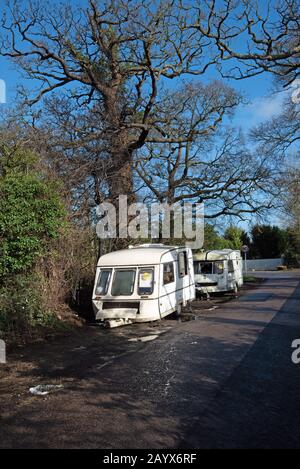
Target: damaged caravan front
(142, 283)
(218, 271)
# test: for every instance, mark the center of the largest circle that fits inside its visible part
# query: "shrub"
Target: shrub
(30, 214)
(31, 217)
(21, 308)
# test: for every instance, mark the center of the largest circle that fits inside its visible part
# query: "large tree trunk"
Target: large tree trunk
(120, 171)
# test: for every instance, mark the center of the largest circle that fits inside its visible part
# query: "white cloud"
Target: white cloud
(260, 110)
(266, 108)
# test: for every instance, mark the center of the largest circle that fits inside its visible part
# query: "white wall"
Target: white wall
(262, 264)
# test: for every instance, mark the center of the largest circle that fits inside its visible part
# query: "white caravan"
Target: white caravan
(218, 271)
(142, 283)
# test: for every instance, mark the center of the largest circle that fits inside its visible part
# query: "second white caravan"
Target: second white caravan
(218, 271)
(143, 283)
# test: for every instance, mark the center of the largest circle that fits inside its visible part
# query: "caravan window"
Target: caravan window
(208, 267)
(168, 273)
(103, 281)
(145, 281)
(203, 267)
(218, 267)
(182, 264)
(230, 266)
(123, 282)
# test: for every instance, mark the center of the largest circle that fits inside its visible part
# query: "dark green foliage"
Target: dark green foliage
(292, 251)
(21, 308)
(268, 242)
(235, 237)
(212, 240)
(31, 213)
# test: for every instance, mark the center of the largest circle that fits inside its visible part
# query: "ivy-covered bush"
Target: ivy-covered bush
(22, 310)
(31, 215)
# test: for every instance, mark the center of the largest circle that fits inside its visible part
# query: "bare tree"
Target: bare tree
(115, 57)
(111, 69)
(291, 197)
(228, 179)
(281, 134)
(194, 112)
(251, 37)
(111, 57)
(210, 161)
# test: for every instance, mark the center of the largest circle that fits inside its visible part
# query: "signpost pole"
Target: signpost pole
(245, 249)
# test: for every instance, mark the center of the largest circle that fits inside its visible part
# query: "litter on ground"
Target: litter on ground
(44, 389)
(146, 338)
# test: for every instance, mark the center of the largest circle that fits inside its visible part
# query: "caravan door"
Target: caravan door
(167, 297)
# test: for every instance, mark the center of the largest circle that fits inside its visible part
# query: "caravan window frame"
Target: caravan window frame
(185, 261)
(173, 273)
(141, 269)
(209, 261)
(220, 270)
(230, 266)
(109, 270)
(199, 264)
(126, 269)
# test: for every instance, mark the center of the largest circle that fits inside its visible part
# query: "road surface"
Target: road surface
(223, 380)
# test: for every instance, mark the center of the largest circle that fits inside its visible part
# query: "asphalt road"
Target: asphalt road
(222, 380)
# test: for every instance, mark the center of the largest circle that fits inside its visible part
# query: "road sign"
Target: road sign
(245, 248)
